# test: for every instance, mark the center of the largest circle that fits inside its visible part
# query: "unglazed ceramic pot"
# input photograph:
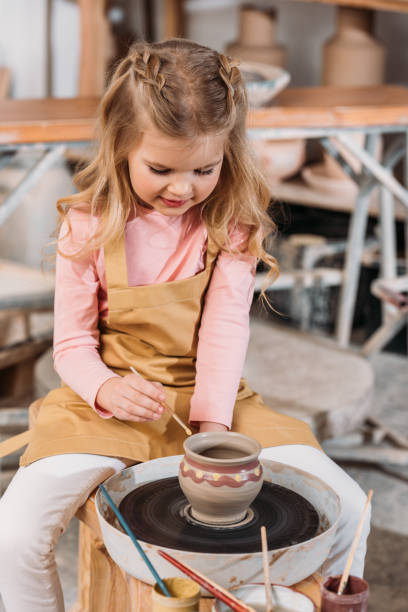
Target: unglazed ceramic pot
(220, 474)
(353, 56)
(257, 37)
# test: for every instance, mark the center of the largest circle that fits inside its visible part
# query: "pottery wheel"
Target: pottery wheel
(155, 513)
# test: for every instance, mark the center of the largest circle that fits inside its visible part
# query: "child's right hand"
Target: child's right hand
(132, 398)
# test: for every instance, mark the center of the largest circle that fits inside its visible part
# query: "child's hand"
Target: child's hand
(209, 426)
(132, 398)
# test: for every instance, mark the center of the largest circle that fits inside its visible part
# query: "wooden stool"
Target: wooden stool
(102, 585)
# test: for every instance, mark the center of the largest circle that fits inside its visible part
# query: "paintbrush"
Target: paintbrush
(350, 558)
(215, 589)
(267, 581)
(173, 414)
(131, 535)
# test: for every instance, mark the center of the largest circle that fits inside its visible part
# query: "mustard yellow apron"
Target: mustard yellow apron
(155, 329)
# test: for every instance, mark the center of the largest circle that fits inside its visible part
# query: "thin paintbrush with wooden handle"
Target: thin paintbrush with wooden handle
(173, 414)
(268, 590)
(347, 569)
(218, 591)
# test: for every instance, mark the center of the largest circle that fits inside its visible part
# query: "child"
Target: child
(155, 269)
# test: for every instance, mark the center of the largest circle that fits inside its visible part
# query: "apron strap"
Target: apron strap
(115, 265)
(15, 443)
(116, 268)
(212, 252)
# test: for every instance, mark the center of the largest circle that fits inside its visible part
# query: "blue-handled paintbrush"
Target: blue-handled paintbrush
(131, 535)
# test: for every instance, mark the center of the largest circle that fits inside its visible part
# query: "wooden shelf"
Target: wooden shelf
(47, 120)
(334, 107)
(382, 5)
(298, 192)
(73, 119)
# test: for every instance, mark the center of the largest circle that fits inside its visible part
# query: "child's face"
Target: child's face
(171, 174)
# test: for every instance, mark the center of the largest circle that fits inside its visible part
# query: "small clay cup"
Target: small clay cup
(185, 596)
(354, 598)
(220, 474)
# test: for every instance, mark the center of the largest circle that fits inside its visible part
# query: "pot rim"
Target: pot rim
(212, 437)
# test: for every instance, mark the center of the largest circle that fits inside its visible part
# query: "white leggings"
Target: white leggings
(42, 498)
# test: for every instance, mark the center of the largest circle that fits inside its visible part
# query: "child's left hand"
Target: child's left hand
(210, 426)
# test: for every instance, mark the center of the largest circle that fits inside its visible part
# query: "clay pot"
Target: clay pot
(220, 474)
(353, 56)
(279, 159)
(257, 37)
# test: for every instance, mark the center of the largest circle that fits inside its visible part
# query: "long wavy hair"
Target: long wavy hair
(185, 90)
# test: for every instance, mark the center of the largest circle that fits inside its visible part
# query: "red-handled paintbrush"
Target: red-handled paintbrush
(215, 589)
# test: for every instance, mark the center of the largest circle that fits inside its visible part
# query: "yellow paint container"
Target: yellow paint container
(185, 596)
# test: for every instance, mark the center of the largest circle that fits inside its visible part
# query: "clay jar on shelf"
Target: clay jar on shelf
(257, 37)
(220, 474)
(352, 56)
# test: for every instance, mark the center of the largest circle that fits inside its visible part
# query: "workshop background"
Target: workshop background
(341, 300)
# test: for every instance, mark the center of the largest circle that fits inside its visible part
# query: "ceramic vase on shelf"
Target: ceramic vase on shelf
(352, 57)
(257, 37)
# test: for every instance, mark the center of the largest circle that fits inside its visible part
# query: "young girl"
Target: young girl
(155, 270)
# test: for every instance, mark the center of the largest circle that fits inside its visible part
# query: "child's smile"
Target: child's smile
(172, 174)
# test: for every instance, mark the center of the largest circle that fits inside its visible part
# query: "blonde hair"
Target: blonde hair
(185, 90)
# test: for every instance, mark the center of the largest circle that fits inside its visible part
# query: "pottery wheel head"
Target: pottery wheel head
(187, 514)
(156, 513)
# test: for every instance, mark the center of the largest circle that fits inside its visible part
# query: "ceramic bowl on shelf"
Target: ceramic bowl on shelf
(279, 159)
(254, 595)
(263, 82)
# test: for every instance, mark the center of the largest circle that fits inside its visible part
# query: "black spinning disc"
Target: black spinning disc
(154, 512)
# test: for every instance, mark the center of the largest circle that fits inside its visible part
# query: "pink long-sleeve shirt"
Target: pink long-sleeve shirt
(158, 249)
